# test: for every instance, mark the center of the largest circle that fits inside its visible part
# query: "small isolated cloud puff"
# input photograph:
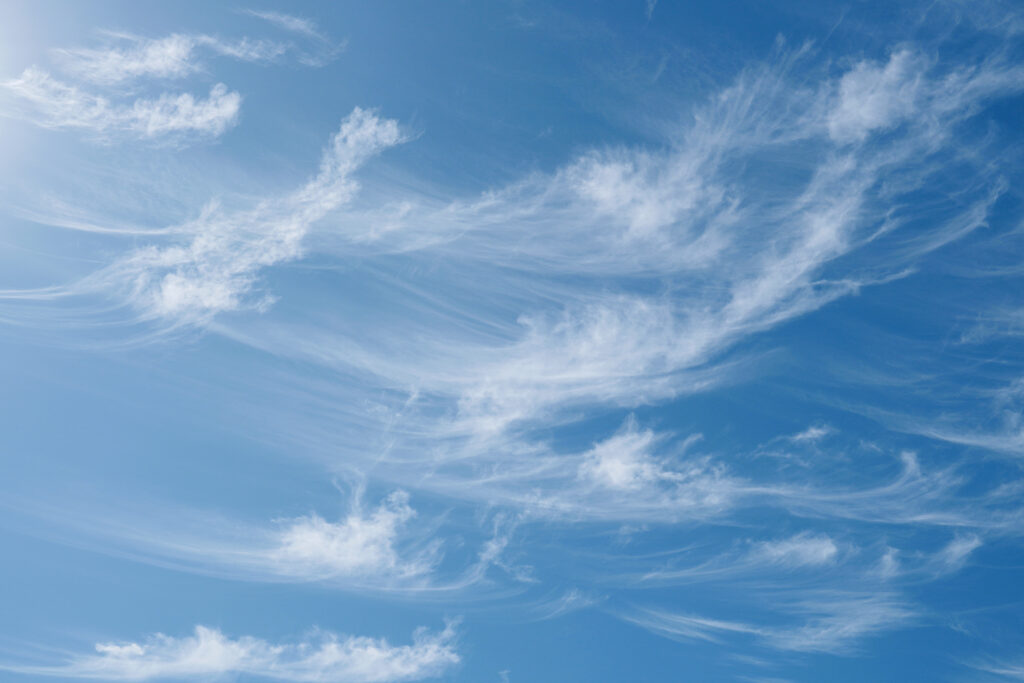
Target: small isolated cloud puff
(359, 545)
(60, 105)
(955, 554)
(889, 564)
(812, 434)
(801, 550)
(322, 658)
(622, 461)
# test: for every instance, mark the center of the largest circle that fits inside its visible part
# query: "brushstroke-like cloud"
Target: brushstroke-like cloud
(799, 550)
(289, 22)
(190, 283)
(210, 653)
(60, 105)
(831, 623)
(121, 63)
(174, 56)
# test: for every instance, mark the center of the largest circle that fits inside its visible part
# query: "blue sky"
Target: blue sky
(511, 341)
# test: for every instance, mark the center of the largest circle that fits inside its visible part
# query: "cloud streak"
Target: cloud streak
(118, 67)
(211, 264)
(60, 105)
(171, 57)
(213, 273)
(209, 653)
(831, 624)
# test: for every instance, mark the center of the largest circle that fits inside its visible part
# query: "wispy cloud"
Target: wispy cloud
(875, 97)
(289, 22)
(928, 565)
(623, 461)
(517, 340)
(831, 623)
(118, 66)
(570, 601)
(954, 555)
(1004, 669)
(812, 433)
(773, 559)
(836, 623)
(209, 653)
(385, 549)
(60, 105)
(800, 550)
(317, 49)
(740, 261)
(189, 283)
(997, 427)
(174, 56)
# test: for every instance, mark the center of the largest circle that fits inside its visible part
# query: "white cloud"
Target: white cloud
(761, 559)
(1004, 414)
(190, 283)
(570, 601)
(174, 56)
(53, 103)
(646, 192)
(801, 550)
(361, 544)
(627, 278)
(383, 549)
(915, 497)
(170, 57)
(622, 461)
(949, 559)
(599, 350)
(59, 105)
(1003, 668)
(955, 554)
(317, 49)
(812, 433)
(289, 22)
(687, 626)
(876, 97)
(323, 658)
(835, 624)
(832, 623)
(889, 564)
